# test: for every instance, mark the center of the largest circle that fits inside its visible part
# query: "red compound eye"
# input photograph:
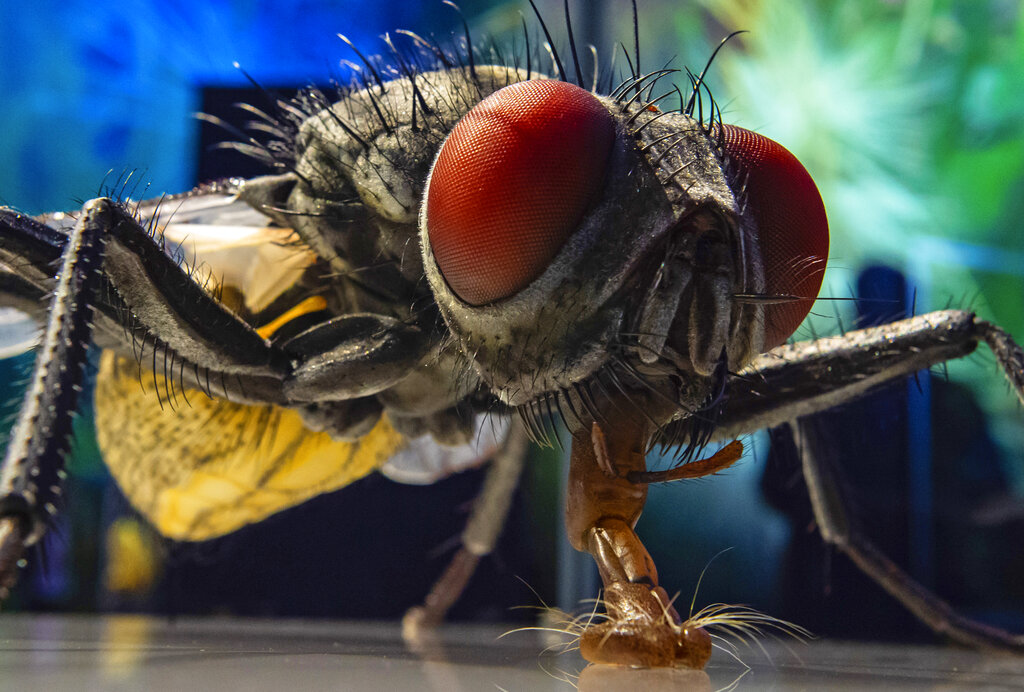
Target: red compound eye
(512, 182)
(791, 226)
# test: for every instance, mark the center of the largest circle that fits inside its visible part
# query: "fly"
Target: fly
(441, 241)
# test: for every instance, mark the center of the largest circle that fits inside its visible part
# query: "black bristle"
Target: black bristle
(636, 36)
(527, 49)
(369, 65)
(572, 45)
(551, 43)
(469, 39)
(700, 78)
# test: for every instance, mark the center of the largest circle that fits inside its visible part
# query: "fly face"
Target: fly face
(569, 237)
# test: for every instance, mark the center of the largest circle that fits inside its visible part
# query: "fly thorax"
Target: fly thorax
(360, 163)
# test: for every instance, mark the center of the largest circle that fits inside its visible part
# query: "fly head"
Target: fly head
(578, 243)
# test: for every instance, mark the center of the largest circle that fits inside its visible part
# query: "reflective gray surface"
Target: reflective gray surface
(44, 652)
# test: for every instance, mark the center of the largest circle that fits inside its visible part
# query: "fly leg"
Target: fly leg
(146, 306)
(794, 381)
(152, 305)
(104, 260)
(810, 376)
(837, 529)
(603, 506)
(30, 480)
(478, 539)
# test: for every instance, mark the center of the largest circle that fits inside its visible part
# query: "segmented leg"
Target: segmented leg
(812, 376)
(1008, 353)
(479, 537)
(837, 529)
(29, 251)
(808, 377)
(151, 307)
(30, 482)
(147, 307)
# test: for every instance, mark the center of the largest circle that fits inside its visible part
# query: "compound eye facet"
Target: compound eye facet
(512, 182)
(791, 226)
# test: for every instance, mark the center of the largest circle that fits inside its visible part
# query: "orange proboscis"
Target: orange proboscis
(641, 632)
(607, 491)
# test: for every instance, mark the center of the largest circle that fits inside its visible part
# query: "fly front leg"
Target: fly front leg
(146, 305)
(33, 466)
(793, 382)
(811, 376)
(115, 279)
(603, 506)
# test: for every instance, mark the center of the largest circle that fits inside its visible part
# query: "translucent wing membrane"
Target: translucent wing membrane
(235, 246)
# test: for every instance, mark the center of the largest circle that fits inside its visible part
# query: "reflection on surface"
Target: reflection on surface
(598, 678)
(125, 639)
(57, 653)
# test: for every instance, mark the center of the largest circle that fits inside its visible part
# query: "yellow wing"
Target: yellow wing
(209, 467)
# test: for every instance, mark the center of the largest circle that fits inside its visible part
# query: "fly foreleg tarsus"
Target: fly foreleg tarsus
(1008, 353)
(642, 628)
(33, 467)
